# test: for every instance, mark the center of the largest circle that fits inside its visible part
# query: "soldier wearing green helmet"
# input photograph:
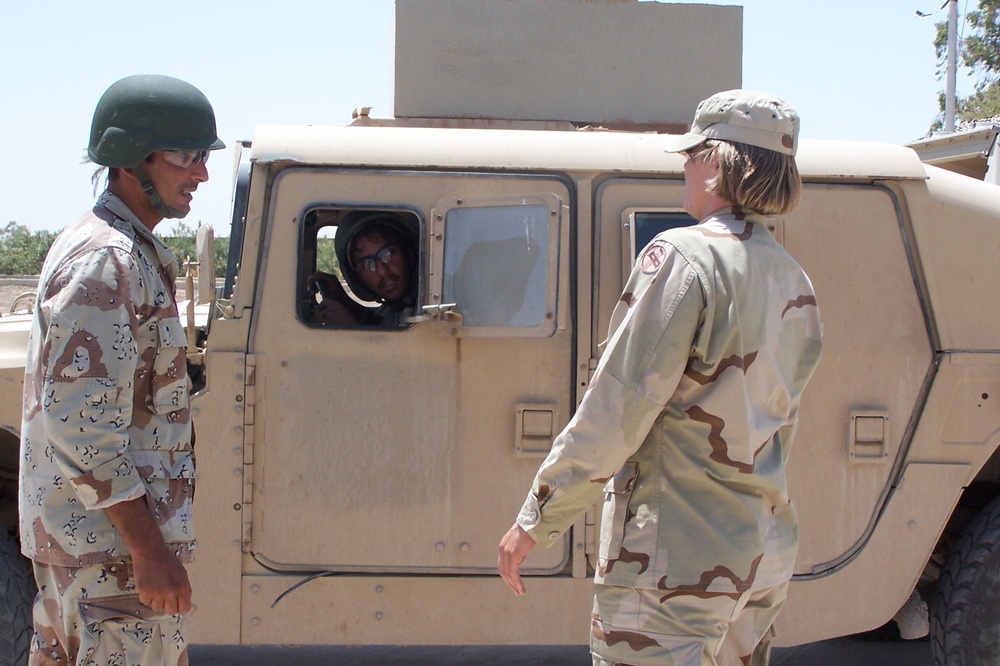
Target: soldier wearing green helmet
(140, 116)
(107, 474)
(377, 253)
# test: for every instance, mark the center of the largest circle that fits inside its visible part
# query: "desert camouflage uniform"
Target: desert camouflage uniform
(685, 430)
(110, 626)
(106, 415)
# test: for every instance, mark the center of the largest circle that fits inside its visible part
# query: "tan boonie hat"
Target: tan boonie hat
(742, 116)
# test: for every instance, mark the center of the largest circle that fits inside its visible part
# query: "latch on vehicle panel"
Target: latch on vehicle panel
(869, 441)
(535, 429)
(441, 312)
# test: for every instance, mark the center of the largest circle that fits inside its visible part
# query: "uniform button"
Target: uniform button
(553, 535)
(533, 515)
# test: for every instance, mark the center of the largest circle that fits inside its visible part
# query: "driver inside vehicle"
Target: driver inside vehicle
(378, 258)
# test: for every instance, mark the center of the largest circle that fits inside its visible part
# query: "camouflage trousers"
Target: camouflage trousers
(631, 626)
(91, 616)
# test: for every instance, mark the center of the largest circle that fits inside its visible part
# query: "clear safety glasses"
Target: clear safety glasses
(385, 255)
(185, 159)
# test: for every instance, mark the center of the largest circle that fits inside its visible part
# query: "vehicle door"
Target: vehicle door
(409, 448)
(861, 404)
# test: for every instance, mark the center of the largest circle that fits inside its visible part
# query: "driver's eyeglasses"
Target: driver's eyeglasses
(185, 159)
(369, 263)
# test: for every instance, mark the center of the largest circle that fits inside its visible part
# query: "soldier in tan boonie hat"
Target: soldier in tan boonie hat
(742, 116)
(689, 417)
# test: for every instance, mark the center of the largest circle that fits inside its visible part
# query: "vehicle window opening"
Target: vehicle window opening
(647, 225)
(359, 268)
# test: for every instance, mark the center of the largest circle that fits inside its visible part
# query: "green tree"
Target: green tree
(979, 51)
(22, 252)
(181, 239)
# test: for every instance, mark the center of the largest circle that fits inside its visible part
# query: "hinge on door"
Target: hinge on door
(249, 403)
(590, 531)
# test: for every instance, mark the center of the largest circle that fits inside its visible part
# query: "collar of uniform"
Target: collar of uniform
(118, 207)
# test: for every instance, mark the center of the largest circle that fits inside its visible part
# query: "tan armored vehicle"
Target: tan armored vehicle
(354, 481)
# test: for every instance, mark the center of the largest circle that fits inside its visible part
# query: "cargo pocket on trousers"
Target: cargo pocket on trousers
(615, 645)
(617, 493)
(121, 629)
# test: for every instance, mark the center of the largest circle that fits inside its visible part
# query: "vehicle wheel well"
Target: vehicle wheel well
(965, 611)
(974, 499)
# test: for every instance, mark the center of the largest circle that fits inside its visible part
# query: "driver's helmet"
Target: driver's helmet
(355, 223)
(141, 114)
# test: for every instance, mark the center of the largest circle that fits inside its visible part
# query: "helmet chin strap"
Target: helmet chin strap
(154, 198)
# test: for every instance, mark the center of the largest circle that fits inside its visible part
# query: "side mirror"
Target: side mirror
(205, 251)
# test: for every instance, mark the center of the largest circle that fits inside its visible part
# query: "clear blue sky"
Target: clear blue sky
(854, 69)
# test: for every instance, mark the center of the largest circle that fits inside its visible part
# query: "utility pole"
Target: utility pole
(951, 67)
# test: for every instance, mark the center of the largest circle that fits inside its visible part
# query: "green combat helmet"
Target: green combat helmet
(141, 114)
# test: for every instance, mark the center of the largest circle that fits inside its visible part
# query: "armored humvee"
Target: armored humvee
(354, 481)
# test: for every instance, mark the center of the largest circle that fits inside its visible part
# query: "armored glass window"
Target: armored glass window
(644, 225)
(498, 267)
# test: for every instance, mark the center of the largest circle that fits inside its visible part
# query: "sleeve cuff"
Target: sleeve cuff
(106, 485)
(530, 520)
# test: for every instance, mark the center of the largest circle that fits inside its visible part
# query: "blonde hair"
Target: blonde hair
(757, 179)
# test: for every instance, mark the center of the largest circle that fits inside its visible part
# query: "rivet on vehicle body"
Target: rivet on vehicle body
(239, 398)
(237, 506)
(255, 621)
(255, 588)
(379, 615)
(911, 524)
(464, 548)
(378, 588)
(439, 545)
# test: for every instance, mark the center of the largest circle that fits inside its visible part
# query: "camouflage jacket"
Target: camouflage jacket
(687, 423)
(106, 416)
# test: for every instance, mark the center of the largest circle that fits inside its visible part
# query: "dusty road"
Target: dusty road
(840, 652)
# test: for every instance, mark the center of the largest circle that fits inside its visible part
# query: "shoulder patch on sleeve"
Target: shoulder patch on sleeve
(652, 257)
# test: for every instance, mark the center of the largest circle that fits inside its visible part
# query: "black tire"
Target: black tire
(965, 614)
(18, 585)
